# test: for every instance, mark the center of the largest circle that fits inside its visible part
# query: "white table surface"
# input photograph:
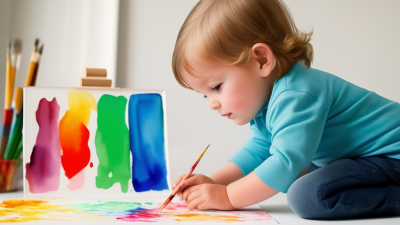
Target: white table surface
(278, 208)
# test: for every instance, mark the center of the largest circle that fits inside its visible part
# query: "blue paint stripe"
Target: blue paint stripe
(149, 169)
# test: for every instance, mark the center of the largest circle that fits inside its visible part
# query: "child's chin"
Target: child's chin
(240, 122)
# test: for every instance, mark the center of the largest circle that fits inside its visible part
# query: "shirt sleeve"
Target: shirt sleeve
(254, 152)
(296, 121)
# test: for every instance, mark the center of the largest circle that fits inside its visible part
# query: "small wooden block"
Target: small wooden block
(92, 72)
(95, 82)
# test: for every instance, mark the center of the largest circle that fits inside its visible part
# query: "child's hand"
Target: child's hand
(207, 196)
(194, 179)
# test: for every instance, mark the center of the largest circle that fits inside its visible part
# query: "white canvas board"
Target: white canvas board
(32, 96)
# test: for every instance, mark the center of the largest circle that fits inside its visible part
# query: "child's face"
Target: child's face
(237, 92)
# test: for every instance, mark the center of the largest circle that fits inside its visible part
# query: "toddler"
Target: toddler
(253, 65)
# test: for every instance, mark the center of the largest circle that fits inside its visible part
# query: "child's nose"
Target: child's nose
(214, 104)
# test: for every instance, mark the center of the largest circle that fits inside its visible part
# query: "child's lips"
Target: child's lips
(227, 115)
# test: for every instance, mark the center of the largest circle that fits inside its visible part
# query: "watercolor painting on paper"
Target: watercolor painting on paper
(109, 211)
(95, 143)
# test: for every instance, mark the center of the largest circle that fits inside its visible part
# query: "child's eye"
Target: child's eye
(217, 88)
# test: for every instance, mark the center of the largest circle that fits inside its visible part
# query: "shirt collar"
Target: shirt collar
(263, 110)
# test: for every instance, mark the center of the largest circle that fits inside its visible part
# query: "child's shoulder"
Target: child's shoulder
(321, 85)
(311, 80)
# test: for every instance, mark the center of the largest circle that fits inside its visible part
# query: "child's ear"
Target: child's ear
(265, 58)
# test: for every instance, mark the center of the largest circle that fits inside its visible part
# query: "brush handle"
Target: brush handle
(14, 137)
(18, 151)
(9, 87)
(31, 74)
(7, 116)
(179, 186)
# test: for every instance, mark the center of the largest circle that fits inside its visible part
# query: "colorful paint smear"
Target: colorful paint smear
(149, 170)
(112, 143)
(175, 213)
(28, 210)
(43, 170)
(74, 137)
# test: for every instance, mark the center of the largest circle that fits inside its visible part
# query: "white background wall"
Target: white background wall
(357, 40)
(76, 35)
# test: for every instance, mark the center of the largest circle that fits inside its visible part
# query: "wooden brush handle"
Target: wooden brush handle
(31, 74)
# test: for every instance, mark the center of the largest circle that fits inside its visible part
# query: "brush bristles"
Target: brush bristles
(17, 46)
(169, 199)
(36, 43)
(9, 44)
(40, 49)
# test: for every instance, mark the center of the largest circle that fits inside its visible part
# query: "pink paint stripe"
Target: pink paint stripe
(43, 170)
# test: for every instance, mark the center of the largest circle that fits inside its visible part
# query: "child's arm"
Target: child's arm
(227, 174)
(251, 190)
(246, 191)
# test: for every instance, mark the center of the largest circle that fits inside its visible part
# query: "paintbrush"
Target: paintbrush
(14, 148)
(177, 188)
(39, 55)
(15, 61)
(7, 115)
(9, 74)
(30, 77)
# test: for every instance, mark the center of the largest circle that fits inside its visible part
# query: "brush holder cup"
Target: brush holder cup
(10, 171)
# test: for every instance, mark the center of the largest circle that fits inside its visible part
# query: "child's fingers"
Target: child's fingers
(191, 181)
(187, 191)
(178, 181)
(193, 195)
(179, 193)
(196, 202)
(202, 206)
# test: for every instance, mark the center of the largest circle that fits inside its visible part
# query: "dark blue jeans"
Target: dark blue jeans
(348, 188)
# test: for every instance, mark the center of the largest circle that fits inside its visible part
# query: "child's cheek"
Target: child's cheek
(237, 100)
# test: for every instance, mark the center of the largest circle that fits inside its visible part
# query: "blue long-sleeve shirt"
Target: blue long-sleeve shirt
(314, 116)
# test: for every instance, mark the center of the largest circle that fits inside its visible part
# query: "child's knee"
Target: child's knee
(303, 198)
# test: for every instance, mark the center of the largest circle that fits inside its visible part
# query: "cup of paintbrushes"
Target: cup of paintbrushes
(10, 165)
(9, 174)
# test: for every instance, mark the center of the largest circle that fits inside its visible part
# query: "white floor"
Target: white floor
(278, 208)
